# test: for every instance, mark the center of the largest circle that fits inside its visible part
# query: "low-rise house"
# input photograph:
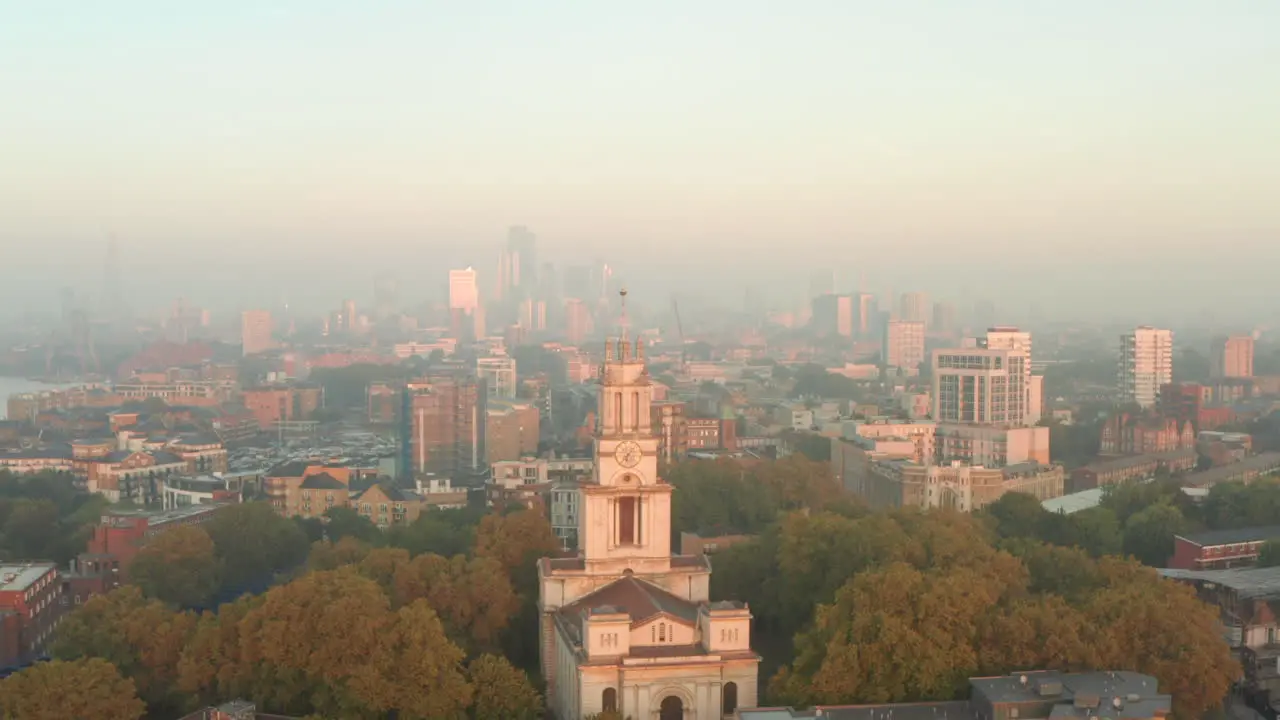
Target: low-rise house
(1221, 549)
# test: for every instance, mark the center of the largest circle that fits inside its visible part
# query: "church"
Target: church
(626, 626)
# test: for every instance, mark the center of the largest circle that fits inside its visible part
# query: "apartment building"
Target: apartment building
(1146, 364)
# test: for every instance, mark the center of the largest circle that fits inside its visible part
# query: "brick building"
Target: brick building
(1125, 434)
(282, 403)
(1221, 549)
(1135, 467)
(120, 533)
(30, 609)
(512, 430)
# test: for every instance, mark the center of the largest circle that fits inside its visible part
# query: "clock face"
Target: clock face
(628, 454)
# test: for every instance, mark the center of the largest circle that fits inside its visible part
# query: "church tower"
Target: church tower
(625, 520)
(625, 625)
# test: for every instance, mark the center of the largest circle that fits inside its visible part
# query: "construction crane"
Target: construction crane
(684, 358)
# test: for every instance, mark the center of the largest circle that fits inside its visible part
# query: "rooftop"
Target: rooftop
(18, 577)
(1234, 536)
(1209, 478)
(161, 517)
(1248, 583)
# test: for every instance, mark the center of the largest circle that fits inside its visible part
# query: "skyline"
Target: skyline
(413, 134)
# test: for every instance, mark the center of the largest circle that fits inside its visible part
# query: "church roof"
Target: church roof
(636, 598)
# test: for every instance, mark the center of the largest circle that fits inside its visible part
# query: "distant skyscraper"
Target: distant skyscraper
(866, 312)
(1231, 357)
(463, 292)
(577, 320)
(903, 346)
(944, 318)
(1146, 364)
(914, 307)
(833, 315)
(577, 281)
(522, 252)
(349, 315)
(255, 331)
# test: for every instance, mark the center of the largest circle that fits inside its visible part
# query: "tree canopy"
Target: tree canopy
(178, 566)
(90, 688)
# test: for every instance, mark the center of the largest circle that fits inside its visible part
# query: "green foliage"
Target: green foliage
(179, 566)
(724, 496)
(254, 543)
(442, 532)
(505, 693)
(1269, 555)
(941, 604)
(44, 516)
(812, 445)
(343, 522)
(1148, 534)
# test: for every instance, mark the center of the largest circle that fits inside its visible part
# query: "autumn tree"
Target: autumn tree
(178, 566)
(515, 540)
(142, 638)
(59, 690)
(344, 522)
(210, 667)
(328, 555)
(254, 543)
(502, 692)
(473, 597)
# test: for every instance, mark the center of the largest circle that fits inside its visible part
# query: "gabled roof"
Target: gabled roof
(322, 481)
(637, 598)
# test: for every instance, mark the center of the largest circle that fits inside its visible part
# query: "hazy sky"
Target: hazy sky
(911, 140)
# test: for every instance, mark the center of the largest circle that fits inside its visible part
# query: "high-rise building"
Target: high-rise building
(903, 346)
(979, 386)
(349, 322)
(833, 315)
(499, 372)
(1231, 357)
(627, 627)
(533, 314)
(522, 258)
(1146, 364)
(944, 318)
(255, 331)
(577, 320)
(1005, 337)
(914, 307)
(866, 311)
(443, 425)
(464, 294)
(466, 312)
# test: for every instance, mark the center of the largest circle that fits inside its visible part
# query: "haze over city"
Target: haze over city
(1090, 157)
(679, 361)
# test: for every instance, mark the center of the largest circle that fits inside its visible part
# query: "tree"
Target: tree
(142, 638)
(1269, 555)
(1143, 623)
(443, 532)
(1017, 515)
(343, 522)
(473, 597)
(502, 691)
(515, 540)
(1148, 535)
(326, 555)
(78, 689)
(177, 566)
(253, 543)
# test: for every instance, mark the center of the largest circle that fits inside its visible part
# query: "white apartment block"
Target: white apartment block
(980, 386)
(903, 346)
(1146, 364)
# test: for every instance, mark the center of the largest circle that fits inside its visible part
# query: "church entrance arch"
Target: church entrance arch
(672, 708)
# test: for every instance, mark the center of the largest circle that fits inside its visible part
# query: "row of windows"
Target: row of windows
(728, 699)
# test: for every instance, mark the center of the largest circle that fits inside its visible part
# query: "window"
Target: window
(609, 700)
(626, 521)
(729, 702)
(662, 632)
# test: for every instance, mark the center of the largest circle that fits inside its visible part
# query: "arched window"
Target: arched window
(609, 700)
(617, 412)
(635, 411)
(730, 700)
(662, 632)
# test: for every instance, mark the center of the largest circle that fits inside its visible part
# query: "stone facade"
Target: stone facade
(626, 625)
